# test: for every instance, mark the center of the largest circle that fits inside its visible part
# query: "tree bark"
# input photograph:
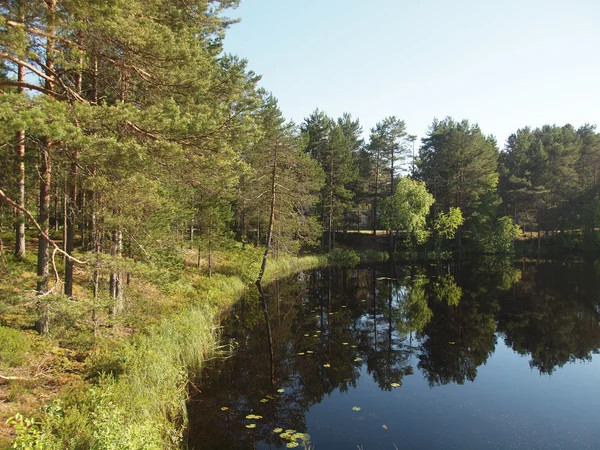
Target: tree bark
(116, 282)
(71, 217)
(331, 185)
(20, 222)
(43, 216)
(271, 221)
(46, 166)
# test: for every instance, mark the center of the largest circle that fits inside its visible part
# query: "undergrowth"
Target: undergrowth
(135, 389)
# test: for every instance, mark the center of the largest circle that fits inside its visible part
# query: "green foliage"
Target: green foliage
(497, 235)
(459, 164)
(343, 257)
(446, 224)
(13, 347)
(407, 209)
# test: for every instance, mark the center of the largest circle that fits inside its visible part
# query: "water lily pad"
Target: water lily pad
(306, 334)
(285, 435)
(356, 408)
(309, 351)
(281, 390)
(344, 343)
(251, 425)
(357, 359)
(344, 306)
(315, 335)
(264, 400)
(250, 416)
(318, 331)
(451, 342)
(327, 365)
(353, 346)
(300, 353)
(305, 437)
(290, 431)
(224, 408)
(384, 426)
(395, 385)
(277, 430)
(292, 444)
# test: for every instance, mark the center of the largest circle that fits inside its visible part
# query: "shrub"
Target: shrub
(13, 347)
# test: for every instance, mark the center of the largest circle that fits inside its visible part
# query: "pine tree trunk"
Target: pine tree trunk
(331, 184)
(376, 194)
(43, 217)
(116, 286)
(20, 222)
(71, 216)
(271, 222)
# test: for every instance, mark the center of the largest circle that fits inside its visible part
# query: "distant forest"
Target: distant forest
(126, 129)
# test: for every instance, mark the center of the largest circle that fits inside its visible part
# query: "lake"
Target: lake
(479, 354)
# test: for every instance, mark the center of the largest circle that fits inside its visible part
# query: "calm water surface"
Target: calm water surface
(488, 354)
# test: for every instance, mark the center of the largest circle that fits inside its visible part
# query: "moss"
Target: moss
(13, 347)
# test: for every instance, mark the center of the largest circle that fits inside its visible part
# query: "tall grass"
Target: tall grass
(136, 397)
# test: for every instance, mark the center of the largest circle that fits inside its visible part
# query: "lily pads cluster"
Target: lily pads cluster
(292, 436)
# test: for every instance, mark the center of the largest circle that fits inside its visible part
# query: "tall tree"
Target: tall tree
(331, 144)
(459, 165)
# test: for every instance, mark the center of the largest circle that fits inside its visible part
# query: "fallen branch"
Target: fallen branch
(2, 377)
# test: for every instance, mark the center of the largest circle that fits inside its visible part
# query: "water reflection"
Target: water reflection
(333, 326)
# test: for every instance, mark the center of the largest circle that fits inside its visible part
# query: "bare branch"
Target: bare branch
(44, 236)
(56, 276)
(37, 31)
(33, 87)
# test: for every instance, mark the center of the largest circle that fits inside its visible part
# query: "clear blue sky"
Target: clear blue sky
(503, 64)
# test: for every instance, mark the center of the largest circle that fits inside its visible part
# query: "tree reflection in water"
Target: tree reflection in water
(329, 327)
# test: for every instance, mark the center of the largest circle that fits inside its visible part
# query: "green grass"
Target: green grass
(137, 388)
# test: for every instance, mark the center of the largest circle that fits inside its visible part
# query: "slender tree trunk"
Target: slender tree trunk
(331, 185)
(71, 222)
(376, 194)
(43, 217)
(116, 286)
(271, 221)
(64, 216)
(84, 218)
(20, 222)
(191, 234)
(56, 215)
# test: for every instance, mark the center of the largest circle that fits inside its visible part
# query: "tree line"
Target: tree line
(127, 128)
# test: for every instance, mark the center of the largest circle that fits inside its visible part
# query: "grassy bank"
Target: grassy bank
(118, 383)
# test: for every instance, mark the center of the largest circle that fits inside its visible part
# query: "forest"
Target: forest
(131, 143)
(129, 134)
